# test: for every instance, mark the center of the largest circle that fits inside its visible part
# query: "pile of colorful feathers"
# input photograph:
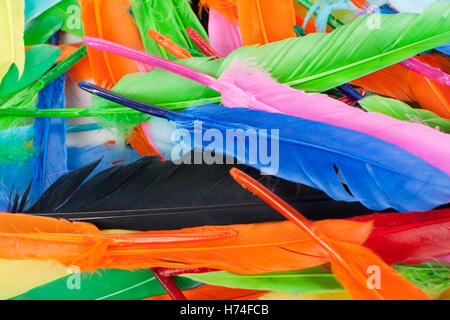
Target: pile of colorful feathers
(225, 149)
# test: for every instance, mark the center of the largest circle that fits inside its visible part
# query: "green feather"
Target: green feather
(38, 60)
(402, 111)
(111, 284)
(433, 278)
(41, 29)
(169, 17)
(69, 11)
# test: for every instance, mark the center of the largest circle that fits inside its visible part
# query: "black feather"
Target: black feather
(151, 194)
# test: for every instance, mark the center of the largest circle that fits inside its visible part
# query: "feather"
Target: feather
(176, 196)
(264, 92)
(201, 43)
(38, 60)
(18, 277)
(111, 284)
(98, 18)
(170, 17)
(34, 8)
(319, 74)
(11, 36)
(423, 69)
(401, 111)
(207, 292)
(413, 238)
(224, 35)
(433, 278)
(259, 24)
(226, 8)
(169, 45)
(109, 69)
(50, 140)
(246, 249)
(40, 30)
(349, 262)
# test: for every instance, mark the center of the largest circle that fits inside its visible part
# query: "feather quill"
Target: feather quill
(349, 262)
(11, 39)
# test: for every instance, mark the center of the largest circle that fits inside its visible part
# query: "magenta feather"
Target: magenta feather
(424, 69)
(224, 35)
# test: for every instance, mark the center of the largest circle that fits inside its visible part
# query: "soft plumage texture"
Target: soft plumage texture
(413, 238)
(110, 284)
(99, 19)
(264, 21)
(33, 8)
(323, 64)
(154, 195)
(19, 276)
(371, 168)
(11, 39)
(402, 111)
(246, 249)
(49, 142)
(224, 35)
(169, 17)
(207, 292)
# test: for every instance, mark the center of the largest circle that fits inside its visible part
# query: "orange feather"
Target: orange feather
(264, 21)
(351, 263)
(244, 249)
(101, 19)
(403, 84)
(208, 292)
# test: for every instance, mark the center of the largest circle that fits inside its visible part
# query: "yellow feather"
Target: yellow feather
(20, 276)
(12, 25)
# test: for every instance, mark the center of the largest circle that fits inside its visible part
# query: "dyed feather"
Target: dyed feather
(38, 238)
(170, 17)
(33, 8)
(154, 195)
(414, 238)
(224, 35)
(40, 30)
(431, 73)
(207, 292)
(226, 8)
(401, 111)
(264, 21)
(262, 92)
(11, 38)
(99, 17)
(349, 262)
(111, 284)
(50, 140)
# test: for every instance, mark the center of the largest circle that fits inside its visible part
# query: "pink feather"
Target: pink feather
(424, 69)
(244, 86)
(224, 35)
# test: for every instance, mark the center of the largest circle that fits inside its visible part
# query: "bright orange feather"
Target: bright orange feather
(244, 249)
(403, 84)
(264, 21)
(110, 20)
(208, 292)
(351, 263)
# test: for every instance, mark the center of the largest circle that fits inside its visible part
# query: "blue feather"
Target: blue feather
(444, 49)
(346, 164)
(50, 140)
(34, 8)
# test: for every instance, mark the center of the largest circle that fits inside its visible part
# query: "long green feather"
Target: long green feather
(112, 284)
(402, 111)
(169, 17)
(431, 277)
(41, 29)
